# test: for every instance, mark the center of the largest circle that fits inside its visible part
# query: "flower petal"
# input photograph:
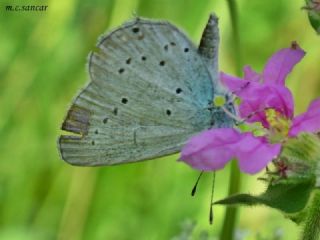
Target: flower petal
(250, 74)
(259, 97)
(209, 150)
(234, 84)
(214, 148)
(281, 63)
(308, 121)
(254, 153)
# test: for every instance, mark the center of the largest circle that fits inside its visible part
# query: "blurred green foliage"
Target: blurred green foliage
(42, 66)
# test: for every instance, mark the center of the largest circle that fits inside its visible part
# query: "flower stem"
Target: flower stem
(229, 223)
(311, 229)
(235, 35)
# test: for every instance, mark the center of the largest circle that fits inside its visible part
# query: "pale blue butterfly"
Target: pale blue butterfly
(150, 90)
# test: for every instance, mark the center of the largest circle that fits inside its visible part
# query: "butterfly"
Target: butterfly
(150, 90)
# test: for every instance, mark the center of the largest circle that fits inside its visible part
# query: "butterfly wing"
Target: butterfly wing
(149, 92)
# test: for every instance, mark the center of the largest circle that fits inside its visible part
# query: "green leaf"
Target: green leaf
(289, 197)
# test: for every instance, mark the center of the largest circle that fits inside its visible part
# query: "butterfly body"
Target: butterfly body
(150, 90)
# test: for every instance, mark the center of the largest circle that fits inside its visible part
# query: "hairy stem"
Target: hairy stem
(229, 223)
(311, 229)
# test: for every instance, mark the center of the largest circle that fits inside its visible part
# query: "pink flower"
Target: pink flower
(264, 99)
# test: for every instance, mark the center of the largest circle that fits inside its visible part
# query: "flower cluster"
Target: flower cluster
(264, 99)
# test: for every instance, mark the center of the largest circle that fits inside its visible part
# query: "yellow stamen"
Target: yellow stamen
(279, 125)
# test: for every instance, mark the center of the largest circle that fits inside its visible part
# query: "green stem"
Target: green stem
(229, 223)
(235, 35)
(311, 229)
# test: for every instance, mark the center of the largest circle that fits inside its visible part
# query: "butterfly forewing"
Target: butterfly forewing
(149, 92)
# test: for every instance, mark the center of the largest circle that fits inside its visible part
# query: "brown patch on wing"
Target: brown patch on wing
(77, 120)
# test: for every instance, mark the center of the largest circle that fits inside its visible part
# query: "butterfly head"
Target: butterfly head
(222, 110)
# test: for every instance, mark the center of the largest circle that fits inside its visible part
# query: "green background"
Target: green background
(42, 67)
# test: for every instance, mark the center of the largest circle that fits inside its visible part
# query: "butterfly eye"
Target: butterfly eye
(124, 100)
(219, 101)
(168, 112)
(186, 50)
(162, 63)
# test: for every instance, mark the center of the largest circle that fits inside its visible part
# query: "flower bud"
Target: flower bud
(299, 158)
(313, 8)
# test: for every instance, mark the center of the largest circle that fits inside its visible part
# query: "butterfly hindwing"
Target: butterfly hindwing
(149, 92)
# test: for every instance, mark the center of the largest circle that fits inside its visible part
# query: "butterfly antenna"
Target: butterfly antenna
(211, 200)
(238, 120)
(194, 189)
(233, 95)
(251, 115)
(240, 88)
(231, 115)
